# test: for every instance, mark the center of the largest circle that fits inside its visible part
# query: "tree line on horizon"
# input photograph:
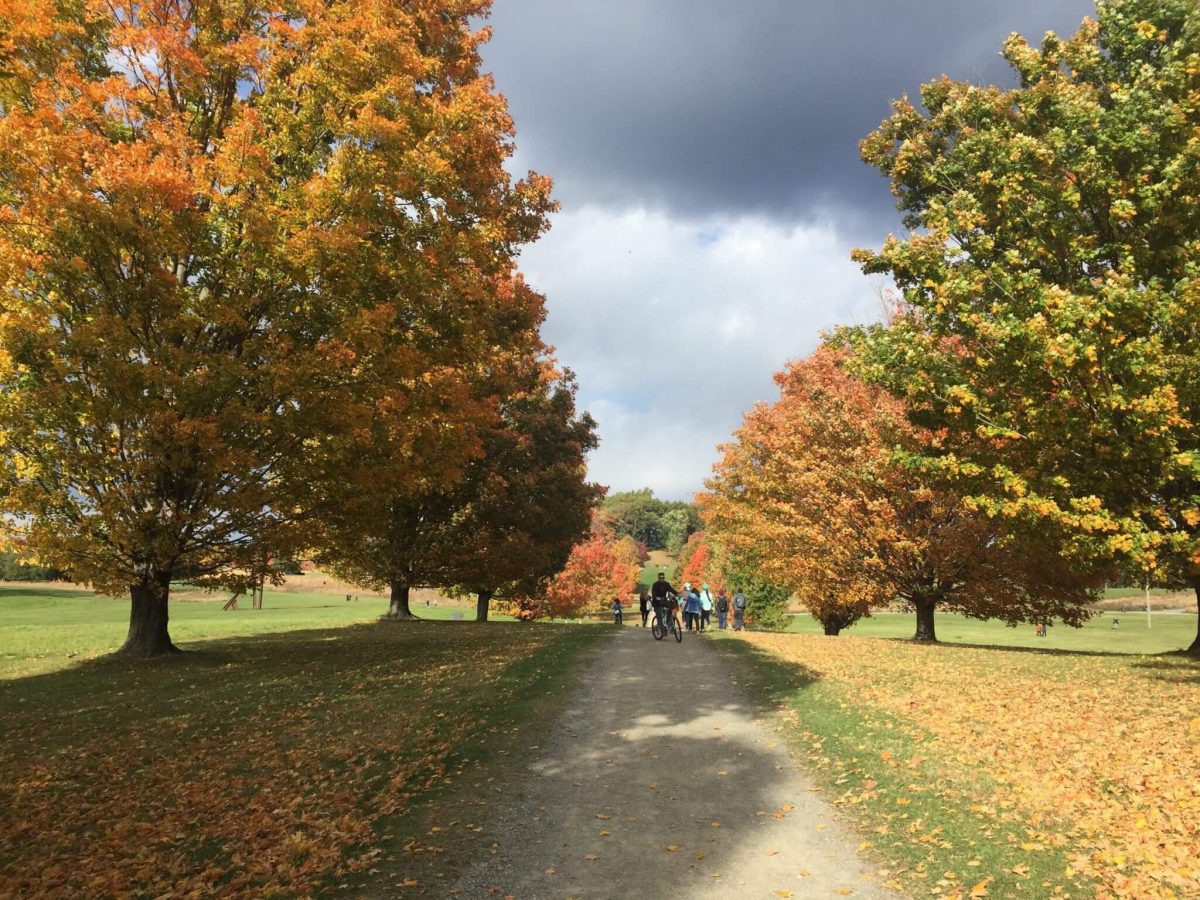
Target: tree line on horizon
(1026, 420)
(261, 301)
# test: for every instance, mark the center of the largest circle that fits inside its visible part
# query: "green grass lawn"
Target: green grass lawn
(271, 764)
(1115, 593)
(651, 569)
(42, 629)
(1168, 631)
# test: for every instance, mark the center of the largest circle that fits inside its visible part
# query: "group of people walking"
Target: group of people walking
(692, 607)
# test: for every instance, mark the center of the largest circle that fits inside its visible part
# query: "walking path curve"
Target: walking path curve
(661, 782)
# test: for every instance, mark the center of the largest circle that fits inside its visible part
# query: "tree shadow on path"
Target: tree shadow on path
(661, 782)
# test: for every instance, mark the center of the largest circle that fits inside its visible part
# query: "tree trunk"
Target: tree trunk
(398, 608)
(1194, 650)
(481, 606)
(148, 635)
(925, 630)
(832, 628)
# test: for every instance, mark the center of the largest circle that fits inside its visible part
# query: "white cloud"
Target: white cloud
(675, 326)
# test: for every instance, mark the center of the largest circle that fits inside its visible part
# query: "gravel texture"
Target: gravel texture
(659, 781)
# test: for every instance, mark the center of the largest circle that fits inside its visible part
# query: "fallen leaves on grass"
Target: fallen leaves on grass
(1088, 755)
(258, 768)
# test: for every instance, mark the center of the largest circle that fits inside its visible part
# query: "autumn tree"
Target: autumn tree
(700, 562)
(526, 502)
(813, 496)
(230, 237)
(596, 571)
(393, 493)
(1050, 276)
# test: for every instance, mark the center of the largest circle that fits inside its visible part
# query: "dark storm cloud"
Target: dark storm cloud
(703, 107)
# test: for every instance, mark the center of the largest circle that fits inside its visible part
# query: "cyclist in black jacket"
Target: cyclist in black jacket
(663, 597)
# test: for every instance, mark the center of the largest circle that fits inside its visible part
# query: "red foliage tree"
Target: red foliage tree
(597, 570)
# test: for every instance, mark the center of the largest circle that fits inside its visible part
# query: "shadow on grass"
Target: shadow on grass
(1174, 668)
(269, 656)
(776, 680)
(313, 725)
(1006, 648)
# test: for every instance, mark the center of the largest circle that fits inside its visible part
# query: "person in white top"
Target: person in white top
(706, 607)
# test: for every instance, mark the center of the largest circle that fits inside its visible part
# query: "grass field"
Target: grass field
(1167, 632)
(275, 763)
(999, 771)
(43, 629)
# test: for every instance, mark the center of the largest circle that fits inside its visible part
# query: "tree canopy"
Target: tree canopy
(1050, 283)
(659, 524)
(814, 496)
(240, 246)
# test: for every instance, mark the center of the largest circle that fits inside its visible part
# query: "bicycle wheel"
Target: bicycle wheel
(678, 631)
(656, 629)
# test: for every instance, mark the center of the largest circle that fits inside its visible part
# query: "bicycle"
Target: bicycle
(660, 631)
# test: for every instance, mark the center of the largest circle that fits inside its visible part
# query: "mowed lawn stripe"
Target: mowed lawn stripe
(43, 629)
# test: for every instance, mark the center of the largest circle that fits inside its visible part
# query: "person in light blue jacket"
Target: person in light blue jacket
(693, 610)
(706, 607)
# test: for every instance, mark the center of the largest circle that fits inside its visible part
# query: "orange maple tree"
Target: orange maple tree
(597, 570)
(243, 246)
(813, 494)
(701, 563)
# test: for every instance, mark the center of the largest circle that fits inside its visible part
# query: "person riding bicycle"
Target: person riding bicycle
(662, 596)
(617, 611)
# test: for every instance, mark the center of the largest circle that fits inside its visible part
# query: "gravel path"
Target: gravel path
(660, 782)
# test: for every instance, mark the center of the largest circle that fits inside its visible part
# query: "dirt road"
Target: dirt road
(661, 782)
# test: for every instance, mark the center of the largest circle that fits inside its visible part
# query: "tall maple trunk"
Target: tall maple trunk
(148, 634)
(1194, 650)
(398, 607)
(481, 606)
(833, 629)
(925, 629)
